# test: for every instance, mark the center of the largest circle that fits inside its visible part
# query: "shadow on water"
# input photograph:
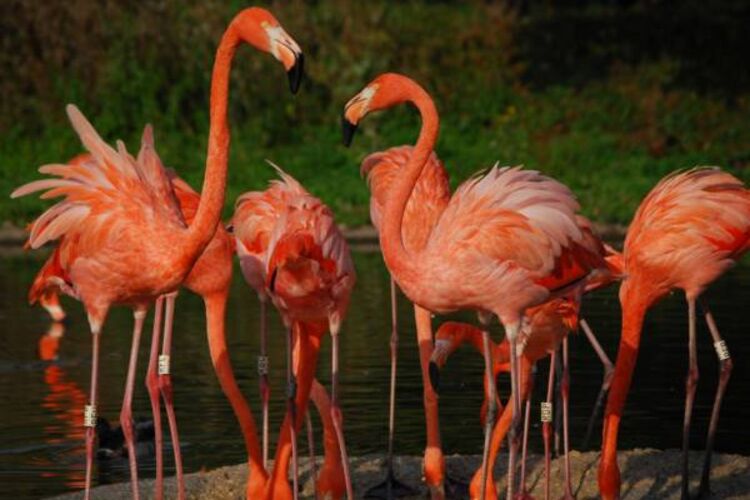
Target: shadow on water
(44, 379)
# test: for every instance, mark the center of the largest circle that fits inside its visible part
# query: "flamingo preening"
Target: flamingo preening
(506, 241)
(292, 252)
(122, 237)
(689, 230)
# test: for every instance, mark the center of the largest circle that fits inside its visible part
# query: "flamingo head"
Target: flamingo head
(385, 91)
(259, 28)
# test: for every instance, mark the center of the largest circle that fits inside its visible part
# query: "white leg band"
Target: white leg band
(262, 365)
(89, 416)
(163, 364)
(721, 350)
(546, 411)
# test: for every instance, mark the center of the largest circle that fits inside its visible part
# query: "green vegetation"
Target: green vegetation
(606, 99)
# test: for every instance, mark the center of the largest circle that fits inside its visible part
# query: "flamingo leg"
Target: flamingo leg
(725, 371)
(391, 487)
(265, 391)
(489, 422)
(565, 390)
(691, 381)
(89, 420)
(165, 387)
(152, 384)
(609, 371)
(336, 410)
(126, 413)
(547, 413)
(515, 417)
(524, 447)
(311, 448)
(291, 395)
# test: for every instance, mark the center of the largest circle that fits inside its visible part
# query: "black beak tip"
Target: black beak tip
(434, 376)
(296, 73)
(348, 129)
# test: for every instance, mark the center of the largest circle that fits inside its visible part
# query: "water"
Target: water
(41, 440)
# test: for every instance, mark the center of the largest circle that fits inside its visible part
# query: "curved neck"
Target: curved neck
(396, 256)
(211, 203)
(216, 306)
(635, 303)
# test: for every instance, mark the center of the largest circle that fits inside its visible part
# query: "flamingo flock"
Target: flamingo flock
(508, 243)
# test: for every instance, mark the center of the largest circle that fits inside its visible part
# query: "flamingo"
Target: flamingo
(506, 241)
(122, 237)
(689, 230)
(427, 202)
(291, 250)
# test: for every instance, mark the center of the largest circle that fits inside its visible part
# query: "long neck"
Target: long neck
(634, 307)
(207, 216)
(216, 306)
(397, 257)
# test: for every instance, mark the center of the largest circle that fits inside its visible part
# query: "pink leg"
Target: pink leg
(547, 415)
(265, 391)
(489, 422)
(126, 414)
(165, 386)
(691, 382)
(89, 420)
(609, 371)
(524, 448)
(152, 384)
(512, 332)
(725, 370)
(565, 393)
(336, 410)
(391, 487)
(291, 381)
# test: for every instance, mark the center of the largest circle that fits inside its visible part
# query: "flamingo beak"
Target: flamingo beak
(296, 72)
(348, 129)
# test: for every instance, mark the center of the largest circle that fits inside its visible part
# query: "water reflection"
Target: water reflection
(64, 402)
(41, 440)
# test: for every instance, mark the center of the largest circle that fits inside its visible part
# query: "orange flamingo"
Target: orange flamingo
(427, 202)
(123, 238)
(308, 273)
(690, 229)
(210, 278)
(506, 241)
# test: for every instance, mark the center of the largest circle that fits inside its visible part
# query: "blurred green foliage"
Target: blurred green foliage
(606, 98)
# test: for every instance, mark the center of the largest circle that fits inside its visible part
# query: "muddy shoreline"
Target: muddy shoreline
(646, 473)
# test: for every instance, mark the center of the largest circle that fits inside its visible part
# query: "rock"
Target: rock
(647, 473)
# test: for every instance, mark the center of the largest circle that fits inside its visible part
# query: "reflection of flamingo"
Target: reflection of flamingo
(63, 400)
(292, 251)
(428, 200)
(506, 241)
(124, 239)
(687, 232)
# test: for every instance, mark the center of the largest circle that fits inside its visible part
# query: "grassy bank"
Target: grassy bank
(606, 99)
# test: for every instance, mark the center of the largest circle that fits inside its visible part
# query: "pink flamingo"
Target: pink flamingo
(288, 238)
(428, 200)
(690, 229)
(123, 240)
(506, 241)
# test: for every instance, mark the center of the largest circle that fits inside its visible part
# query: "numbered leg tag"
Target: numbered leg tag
(721, 350)
(163, 364)
(262, 365)
(89, 416)
(546, 410)
(291, 390)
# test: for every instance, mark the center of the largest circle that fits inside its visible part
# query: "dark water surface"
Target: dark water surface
(41, 439)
